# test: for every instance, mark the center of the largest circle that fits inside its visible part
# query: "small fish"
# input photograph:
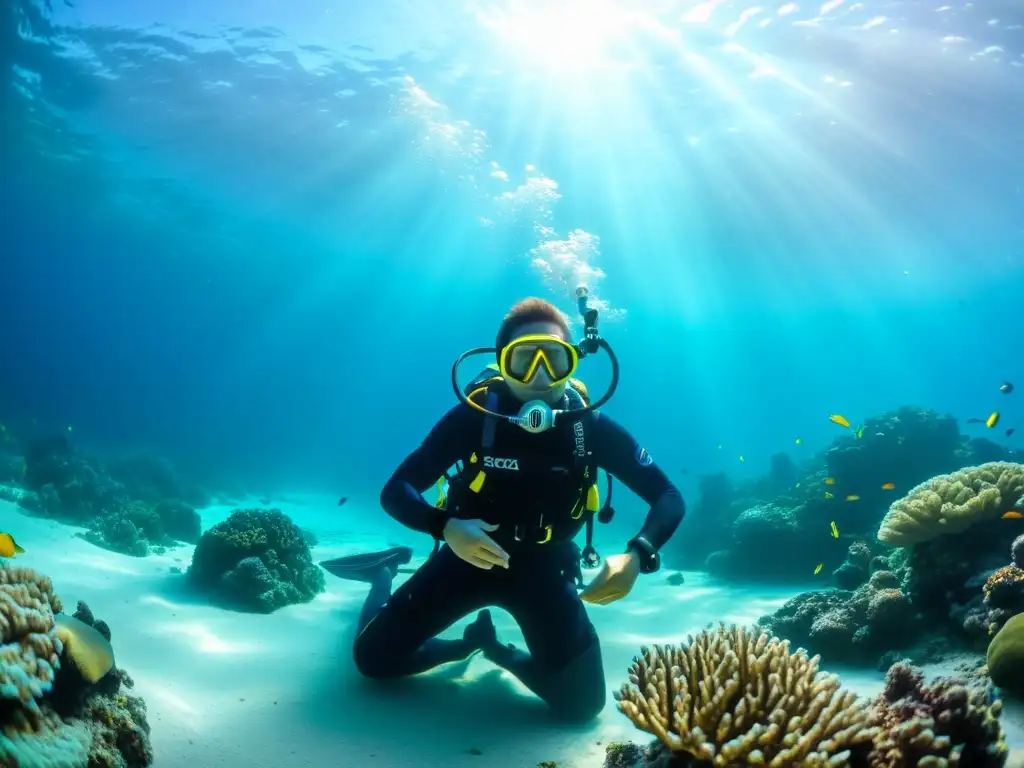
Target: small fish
(684, 471)
(859, 432)
(1006, 387)
(975, 421)
(853, 497)
(342, 500)
(69, 428)
(818, 569)
(1013, 514)
(719, 446)
(798, 441)
(1010, 431)
(8, 546)
(797, 485)
(888, 486)
(830, 481)
(835, 418)
(742, 459)
(828, 495)
(835, 530)
(992, 420)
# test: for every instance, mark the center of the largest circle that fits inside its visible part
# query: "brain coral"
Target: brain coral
(952, 503)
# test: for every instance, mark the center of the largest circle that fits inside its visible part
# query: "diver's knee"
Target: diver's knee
(582, 689)
(372, 657)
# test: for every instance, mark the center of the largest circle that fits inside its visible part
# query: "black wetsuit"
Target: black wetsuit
(397, 634)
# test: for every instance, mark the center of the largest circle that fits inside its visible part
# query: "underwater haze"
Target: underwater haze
(242, 245)
(254, 236)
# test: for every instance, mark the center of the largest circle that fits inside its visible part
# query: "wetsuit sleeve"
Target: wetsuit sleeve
(618, 453)
(402, 497)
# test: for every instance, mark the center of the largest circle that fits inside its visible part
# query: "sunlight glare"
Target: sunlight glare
(563, 36)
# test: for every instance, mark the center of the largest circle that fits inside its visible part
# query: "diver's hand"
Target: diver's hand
(469, 540)
(614, 581)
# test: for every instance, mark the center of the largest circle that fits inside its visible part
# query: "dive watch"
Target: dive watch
(650, 560)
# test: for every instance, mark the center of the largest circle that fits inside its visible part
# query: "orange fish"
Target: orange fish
(835, 418)
(1013, 514)
(853, 497)
(888, 486)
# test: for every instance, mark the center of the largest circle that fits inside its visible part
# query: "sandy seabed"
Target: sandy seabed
(232, 689)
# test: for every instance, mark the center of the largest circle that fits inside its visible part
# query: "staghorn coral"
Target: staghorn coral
(732, 696)
(29, 647)
(935, 725)
(952, 503)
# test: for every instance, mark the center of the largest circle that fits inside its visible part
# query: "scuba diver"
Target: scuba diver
(526, 444)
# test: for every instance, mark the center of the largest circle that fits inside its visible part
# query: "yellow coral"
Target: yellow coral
(29, 648)
(734, 697)
(952, 503)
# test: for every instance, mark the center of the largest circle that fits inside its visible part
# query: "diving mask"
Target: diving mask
(523, 358)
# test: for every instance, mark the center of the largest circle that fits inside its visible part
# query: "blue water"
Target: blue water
(253, 236)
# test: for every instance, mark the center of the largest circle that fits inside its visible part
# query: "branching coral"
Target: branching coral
(952, 503)
(732, 696)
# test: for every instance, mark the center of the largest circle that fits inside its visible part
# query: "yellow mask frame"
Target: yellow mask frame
(540, 358)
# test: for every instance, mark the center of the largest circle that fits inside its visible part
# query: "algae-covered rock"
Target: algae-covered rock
(1006, 656)
(257, 560)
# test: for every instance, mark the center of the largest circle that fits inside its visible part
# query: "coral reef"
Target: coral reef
(949, 504)
(256, 560)
(850, 626)
(937, 724)
(62, 701)
(128, 507)
(1006, 656)
(792, 503)
(734, 697)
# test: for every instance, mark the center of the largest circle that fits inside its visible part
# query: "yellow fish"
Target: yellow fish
(888, 486)
(818, 569)
(859, 432)
(992, 420)
(835, 418)
(828, 495)
(8, 546)
(830, 481)
(835, 531)
(798, 441)
(853, 497)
